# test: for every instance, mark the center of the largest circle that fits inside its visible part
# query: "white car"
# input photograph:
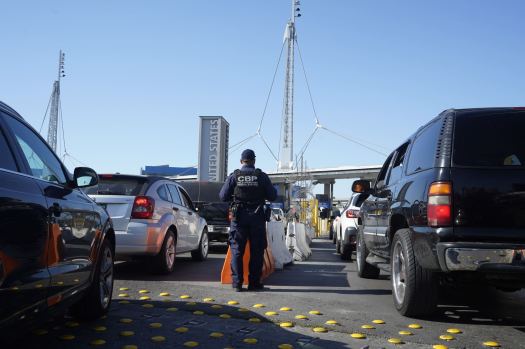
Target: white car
(345, 227)
(152, 217)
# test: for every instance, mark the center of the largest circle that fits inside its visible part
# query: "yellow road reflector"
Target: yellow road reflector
(172, 309)
(319, 329)
(332, 322)
(286, 324)
(254, 319)
(368, 327)
(285, 346)
(216, 306)
(127, 333)
(258, 305)
(100, 328)
(191, 344)
(130, 346)
(271, 313)
(415, 326)
(126, 321)
(123, 295)
(225, 316)
(250, 340)
(185, 296)
(66, 337)
(243, 310)
(405, 333)
(198, 312)
(145, 298)
(395, 341)
(143, 291)
(233, 302)
(164, 294)
(124, 289)
(155, 325)
(286, 309)
(148, 305)
(454, 330)
(491, 344)
(209, 300)
(379, 322)
(315, 312)
(446, 337)
(439, 346)
(358, 335)
(158, 339)
(40, 332)
(72, 324)
(123, 302)
(301, 317)
(182, 329)
(216, 335)
(98, 342)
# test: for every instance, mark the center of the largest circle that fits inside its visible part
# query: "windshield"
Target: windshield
(117, 186)
(494, 140)
(203, 191)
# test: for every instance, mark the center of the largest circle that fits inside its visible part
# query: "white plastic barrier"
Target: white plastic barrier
(296, 240)
(276, 239)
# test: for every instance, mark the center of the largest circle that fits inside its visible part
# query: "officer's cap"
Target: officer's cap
(248, 154)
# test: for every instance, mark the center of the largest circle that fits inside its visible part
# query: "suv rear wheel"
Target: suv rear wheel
(364, 269)
(414, 289)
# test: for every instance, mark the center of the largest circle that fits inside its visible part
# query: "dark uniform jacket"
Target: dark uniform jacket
(226, 193)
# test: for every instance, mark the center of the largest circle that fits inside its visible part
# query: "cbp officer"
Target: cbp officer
(247, 189)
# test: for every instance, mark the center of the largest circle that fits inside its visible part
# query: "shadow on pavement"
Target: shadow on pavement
(171, 324)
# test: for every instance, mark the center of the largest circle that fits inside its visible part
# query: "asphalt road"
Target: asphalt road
(324, 283)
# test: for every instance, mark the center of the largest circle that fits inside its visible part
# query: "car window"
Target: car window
(494, 140)
(175, 197)
(42, 162)
(397, 165)
(380, 181)
(200, 191)
(6, 157)
(186, 198)
(114, 185)
(163, 193)
(423, 151)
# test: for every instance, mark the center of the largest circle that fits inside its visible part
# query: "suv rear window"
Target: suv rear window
(203, 191)
(117, 186)
(494, 140)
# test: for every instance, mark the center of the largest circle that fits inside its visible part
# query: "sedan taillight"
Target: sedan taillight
(143, 207)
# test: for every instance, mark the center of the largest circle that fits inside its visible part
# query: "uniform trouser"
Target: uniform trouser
(249, 225)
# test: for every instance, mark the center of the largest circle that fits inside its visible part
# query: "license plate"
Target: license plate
(211, 228)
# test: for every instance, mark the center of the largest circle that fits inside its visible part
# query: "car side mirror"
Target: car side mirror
(361, 186)
(85, 177)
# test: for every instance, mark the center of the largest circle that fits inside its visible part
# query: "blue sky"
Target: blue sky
(139, 73)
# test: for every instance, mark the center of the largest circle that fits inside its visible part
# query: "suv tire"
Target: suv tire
(414, 289)
(97, 299)
(164, 261)
(201, 253)
(364, 269)
(346, 252)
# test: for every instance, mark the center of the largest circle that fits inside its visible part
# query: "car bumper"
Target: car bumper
(218, 232)
(482, 257)
(141, 238)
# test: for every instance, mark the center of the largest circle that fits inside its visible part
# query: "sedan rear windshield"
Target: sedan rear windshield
(117, 186)
(493, 140)
(203, 191)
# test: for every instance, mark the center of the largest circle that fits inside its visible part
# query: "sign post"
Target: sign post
(214, 133)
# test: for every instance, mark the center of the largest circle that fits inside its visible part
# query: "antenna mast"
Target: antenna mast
(52, 131)
(286, 151)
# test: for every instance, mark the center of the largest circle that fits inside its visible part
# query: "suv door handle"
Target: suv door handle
(175, 208)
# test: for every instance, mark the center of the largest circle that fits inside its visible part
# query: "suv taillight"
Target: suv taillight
(143, 207)
(439, 208)
(352, 213)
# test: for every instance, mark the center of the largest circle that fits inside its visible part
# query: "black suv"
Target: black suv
(448, 204)
(56, 244)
